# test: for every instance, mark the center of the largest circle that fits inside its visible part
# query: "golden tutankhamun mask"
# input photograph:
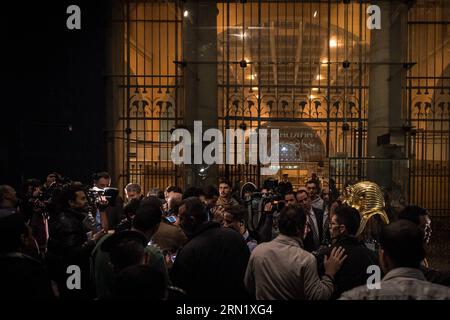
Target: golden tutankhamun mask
(367, 198)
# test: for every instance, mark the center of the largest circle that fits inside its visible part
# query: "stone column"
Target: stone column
(388, 53)
(200, 77)
(114, 65)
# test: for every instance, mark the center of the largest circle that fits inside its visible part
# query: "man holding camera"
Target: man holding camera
(72, 238)
(109, 211)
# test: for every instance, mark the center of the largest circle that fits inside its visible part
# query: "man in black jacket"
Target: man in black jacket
(22, 275)
(421, 218)
(317, 223)
(212, 265)
(343, 227)
(69, 244)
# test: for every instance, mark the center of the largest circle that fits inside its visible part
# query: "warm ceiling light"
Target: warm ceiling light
(252, 77)
(333, 43)
(186, 13)
(319, 77)
(315, 13)
(241, 35)
(315, 89)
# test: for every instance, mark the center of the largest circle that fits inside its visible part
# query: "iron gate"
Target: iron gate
(147, 91)
(428, 108)
(299, 66)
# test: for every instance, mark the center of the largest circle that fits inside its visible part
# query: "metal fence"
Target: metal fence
(300, 66)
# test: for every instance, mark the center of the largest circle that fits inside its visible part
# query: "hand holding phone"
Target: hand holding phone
(171, 219)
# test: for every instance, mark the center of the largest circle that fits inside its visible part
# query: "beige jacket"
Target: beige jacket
(282, 270)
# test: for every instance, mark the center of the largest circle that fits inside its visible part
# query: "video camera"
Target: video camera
(256, 202)
(259, 200)
(48, 197)
(97, 196)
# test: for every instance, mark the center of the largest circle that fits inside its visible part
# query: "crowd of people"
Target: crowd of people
(64, 240)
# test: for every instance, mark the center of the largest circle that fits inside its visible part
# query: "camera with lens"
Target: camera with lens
(275, 199)
(47, 198)
(102, 197)
(256, 203)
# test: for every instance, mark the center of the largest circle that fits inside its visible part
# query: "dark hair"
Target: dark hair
(125, 253)
(97, 176)
(193, 192)
(315, 183)
(194, 208)
(4, 189)
(349, 217)
(224, 180)
(69, 193)
(290, 192)
(12, 228)
(237, 213)
(155, 192)
(152, 200)
(35, 183)
(211, 192)
(174, 189)
(160, 195)
(148, 215)
(131, 207)
(139, 282)
(403, 243)
(412, 213)
(302, 191)
(291, 220)
(57, 176)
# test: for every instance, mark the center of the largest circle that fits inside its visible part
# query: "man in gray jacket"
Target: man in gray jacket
(282, 270)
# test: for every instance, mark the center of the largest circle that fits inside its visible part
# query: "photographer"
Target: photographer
(109, 210)
(71, 242)
(262, 212)
(34, 209)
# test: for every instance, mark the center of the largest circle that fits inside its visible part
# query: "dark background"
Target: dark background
(52, 90)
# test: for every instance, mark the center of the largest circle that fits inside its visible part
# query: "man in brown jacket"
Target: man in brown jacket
(282, 270)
